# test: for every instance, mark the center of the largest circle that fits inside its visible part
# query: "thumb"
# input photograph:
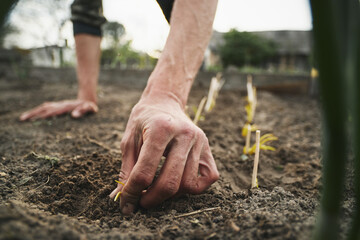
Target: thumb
(129, 156)
(83, 108)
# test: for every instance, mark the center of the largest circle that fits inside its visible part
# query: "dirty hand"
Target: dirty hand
(159, 127)
(50, 109)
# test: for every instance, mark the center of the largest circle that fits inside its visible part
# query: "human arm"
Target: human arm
(158, 125)
(88, 57)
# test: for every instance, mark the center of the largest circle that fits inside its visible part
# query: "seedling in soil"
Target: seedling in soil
(199, 110)
(52, 160)
(256, 160)
(247, 143)
(250, 107)
(215, 86)
(119, 193)
(264, 139)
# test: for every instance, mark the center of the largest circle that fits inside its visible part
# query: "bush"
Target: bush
(244, 48)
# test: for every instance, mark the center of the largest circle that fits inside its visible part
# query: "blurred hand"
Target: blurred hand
(158, 126)
(50, 109)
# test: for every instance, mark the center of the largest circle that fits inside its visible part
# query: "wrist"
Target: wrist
(169, 82)
(87, 96)
(155, 96)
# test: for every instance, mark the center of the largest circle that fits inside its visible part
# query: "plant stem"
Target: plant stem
(256, 160)
(248, 135)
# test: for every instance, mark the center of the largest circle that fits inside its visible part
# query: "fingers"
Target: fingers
(191, 171)
(155, 140)
(200, 170)
(208, 173)
(86, 107)
(168, 182)
(51, 109)
(34, 112)
(55, 109)
(129, 149)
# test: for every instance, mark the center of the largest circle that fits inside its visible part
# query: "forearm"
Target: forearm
(191, 28)
(88, 65)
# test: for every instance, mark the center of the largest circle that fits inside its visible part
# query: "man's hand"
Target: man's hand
(158, 126)
(50, 109)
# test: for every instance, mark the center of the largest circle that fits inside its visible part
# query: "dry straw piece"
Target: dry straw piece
(199, 110)
(215, 86)
(256, 160)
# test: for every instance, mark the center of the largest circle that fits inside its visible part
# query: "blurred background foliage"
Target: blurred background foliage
(245, 49)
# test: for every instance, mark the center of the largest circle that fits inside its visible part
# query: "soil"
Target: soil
(56, 174)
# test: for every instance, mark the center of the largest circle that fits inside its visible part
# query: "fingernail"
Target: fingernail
(128, 209)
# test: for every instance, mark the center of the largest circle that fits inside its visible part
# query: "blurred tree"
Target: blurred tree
(39, 22)
(119, 52)
(113, 32)
(6, 28)
(244, 48)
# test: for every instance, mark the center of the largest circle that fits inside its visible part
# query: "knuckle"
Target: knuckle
(45, 104)
(188, 131)
(142, 178)
(214, 176)
(123, 144)
(203, 135)
(170, 187)
(164, 125)
(189, 185)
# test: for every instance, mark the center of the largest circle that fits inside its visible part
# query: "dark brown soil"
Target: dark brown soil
(56, 174)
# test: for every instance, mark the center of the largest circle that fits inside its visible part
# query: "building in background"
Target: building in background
(52, 56)
(293, 52)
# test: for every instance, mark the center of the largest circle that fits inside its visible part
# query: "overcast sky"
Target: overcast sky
(147, 27)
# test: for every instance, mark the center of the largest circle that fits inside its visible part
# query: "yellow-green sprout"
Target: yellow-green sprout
(118, 194)
(250, 109)
(244, 130)
(265, 138)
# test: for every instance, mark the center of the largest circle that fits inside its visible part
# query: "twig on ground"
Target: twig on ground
(197, 212)
(41, 185)
(100, 144)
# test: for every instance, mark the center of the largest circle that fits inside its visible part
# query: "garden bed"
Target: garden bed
(56, 174)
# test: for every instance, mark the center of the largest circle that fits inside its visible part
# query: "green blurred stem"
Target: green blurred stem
(354, 88)
(5, 7)
(332, 88)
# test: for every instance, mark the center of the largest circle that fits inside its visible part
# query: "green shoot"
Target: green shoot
(52, 160)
